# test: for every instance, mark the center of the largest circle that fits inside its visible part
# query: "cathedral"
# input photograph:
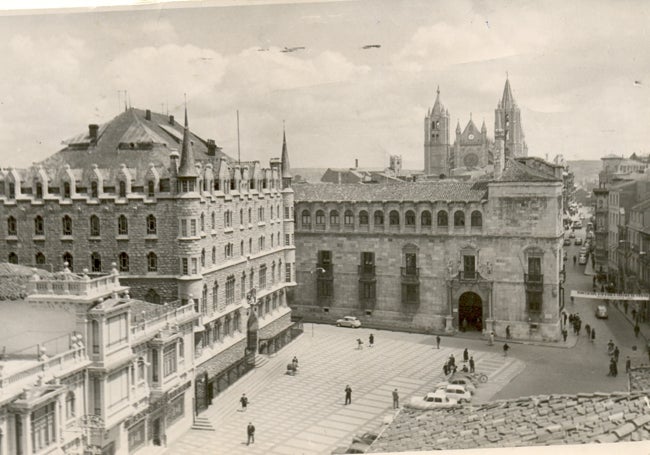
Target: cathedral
(472, 148)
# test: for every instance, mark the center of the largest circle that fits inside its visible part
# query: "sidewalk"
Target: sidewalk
(570, 342)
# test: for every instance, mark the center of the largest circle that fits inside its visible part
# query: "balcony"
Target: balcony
(534, 282)
(410, 274)
(468, 275)
(366, 272)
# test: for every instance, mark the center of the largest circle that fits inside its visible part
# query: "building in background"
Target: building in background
(393, 173)
(435, 256)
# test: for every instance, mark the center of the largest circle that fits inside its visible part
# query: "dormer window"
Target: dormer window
(66, 190)
(94, 191)
(12, 190)
(39, 190)
(151, 188)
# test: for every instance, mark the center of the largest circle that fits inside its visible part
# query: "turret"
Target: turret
(187, 173)
(285, 167)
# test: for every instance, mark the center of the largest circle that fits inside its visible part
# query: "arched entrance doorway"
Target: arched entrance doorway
(470, 312)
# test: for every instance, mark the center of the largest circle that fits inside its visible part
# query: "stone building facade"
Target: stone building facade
(434, 256)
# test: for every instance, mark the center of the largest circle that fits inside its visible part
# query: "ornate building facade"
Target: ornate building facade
(471, 148)
(435, 256)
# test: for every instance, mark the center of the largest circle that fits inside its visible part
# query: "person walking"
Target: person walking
(250, 432)
(445, 368)
(465, 355)
(616, 354)
(564, 334)
(628, 364)
(348, 394)
(574, 260)
(507, 332)
(438, 341)
(588, 330)
(371, 340)
(244, 402)
(452, 360)
(359, 343)
(294, 362)
(593, 335)
(636, 330)
(614, 368)
(395, 399)
(505, 349)
(471, 364)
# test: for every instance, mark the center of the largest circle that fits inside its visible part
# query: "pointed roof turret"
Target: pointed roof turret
(507, 100)
(483, 127)
(187, 167)
(458, 127)
(437, 106)
(284, 165)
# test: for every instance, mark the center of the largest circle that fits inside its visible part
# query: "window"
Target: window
(476, 219)
(214, 254)
(409, 220)
(118, 387)
(230, 290)
(287, 273)
(469, 266)
(425, 218)
(306, 218)
(151, 225)
(183, 228)
(368, 262)
(39, 258)
(410, 261)
(334, 217)
(287, 212)
(534, 268)
(43, 422)
(12, 228)
(443, 219)
(67, 257)
(379, 218)
(393, 218)
(260, 214)
(410, 294)
(213, 221)
(94, 226)
(271, 218)
(363, 218)
(534, 301)
(348, 218)
(287, 239)
(66, 225)
(195, 266)
(39, 228)
(241, 248)
(152, 262)
(459, 218)
(176, 410)
(69, 405)
(215, 296)
(242, 293)
(262, 278)
(116, 329)
(202, 222)
(151, 188)
(123, 260)
(169, 360)
(122, 225)
(94, 191)
(39, 190)
(193, 227)
(122, 188)
(12, 190)
(367, 290)
(203, 257)
(96, 262)
(12, 258)
(325, 261)
(320, 218)
(66, 190)
(250, 246)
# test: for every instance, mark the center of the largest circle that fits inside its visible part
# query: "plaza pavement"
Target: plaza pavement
(305, 414)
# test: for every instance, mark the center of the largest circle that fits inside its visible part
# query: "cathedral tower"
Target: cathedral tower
(436, 139)
(508, 116)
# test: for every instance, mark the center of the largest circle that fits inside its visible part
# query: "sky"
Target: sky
(579, 71)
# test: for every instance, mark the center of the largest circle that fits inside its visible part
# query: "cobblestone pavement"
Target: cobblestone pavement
(305, 414)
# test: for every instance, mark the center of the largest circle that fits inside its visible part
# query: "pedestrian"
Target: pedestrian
(359, 343)
(491, 339)
(371, 340)
(593, 335)
(452, 360)
(564, 334)
(633, 313)
(505, 349)
(616, 354)
(588, 330)
(574, 260)
(628, 364)
(348, 394)
(471, 364)
(610, 347)
(614, 368)
(250, 431)
(445, 368)
(564, 316)
(244, 402)
(395, 399)
(636, 330)
(294, 362)
(465, 356)
(507, 332)
(578, 325)
(438, 341)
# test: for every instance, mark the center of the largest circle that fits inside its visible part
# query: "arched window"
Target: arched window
(39, 227)
(241, 216)
(141, 369)
(443, 218)
(393, 218)
(94, 226)
(214, 221)
(152, 262)
(39, 258)
(39, 190)
(203, 257)
(379, 218)
(202, 222)
(94, 190)
(348, 218)
(96, 262)
(459, 218)
(152, 296)
(12, 258)
(69, 405)
(12, 190)
(66, 225)
(67, 257)
(363, 218)
(237, 322)
(320, 218)
(215, 296)
(306, 218)
(204, 299)
(123, 260)
(151, 188)
(477, 219)
(181, 348)
(214, 254)
(122, 225)
(425, 218)
(334, 217)
(409, 218)
(122, 188)
(66, 190)
(250, 213)
(151, 225)
(12, 228)
(95, 335)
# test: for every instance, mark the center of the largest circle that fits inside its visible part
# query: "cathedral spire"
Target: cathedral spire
(483, 127)
(285, 167)
(437, 106)
(507, 101)
(187, 167)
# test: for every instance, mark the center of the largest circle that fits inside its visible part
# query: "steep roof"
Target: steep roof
(187, 167)
(438, 108)
(402, 191)
(286, 167)
(507, 100)
(527, 421)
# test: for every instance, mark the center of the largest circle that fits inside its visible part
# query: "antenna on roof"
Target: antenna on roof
(238, 144)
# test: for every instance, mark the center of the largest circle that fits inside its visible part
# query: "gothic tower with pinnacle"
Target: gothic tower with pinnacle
(508, 116)
(436, 139)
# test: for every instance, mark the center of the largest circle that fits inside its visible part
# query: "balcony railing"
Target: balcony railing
(366, 270)
(534, 278)
(80, 286)
(57, 363)
(161, 321)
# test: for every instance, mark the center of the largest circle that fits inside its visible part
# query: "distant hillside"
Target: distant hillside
(585, 170)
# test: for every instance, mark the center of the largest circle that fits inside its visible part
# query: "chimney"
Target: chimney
(147, 114)
(356, 163)
(92, 132)
(212, 147)
(171, 119)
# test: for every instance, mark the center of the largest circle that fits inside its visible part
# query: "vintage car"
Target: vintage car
(434, 400)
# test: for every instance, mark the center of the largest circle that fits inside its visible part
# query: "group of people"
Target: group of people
(371, 341)
(450, 367)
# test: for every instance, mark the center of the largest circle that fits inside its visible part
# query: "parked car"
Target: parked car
(434, 400)
(601, 312)
(349, 321)
(582, 259)
(456, 380)
(578, 241)
(457, 392)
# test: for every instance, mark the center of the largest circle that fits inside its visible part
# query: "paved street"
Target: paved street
(305, 414)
